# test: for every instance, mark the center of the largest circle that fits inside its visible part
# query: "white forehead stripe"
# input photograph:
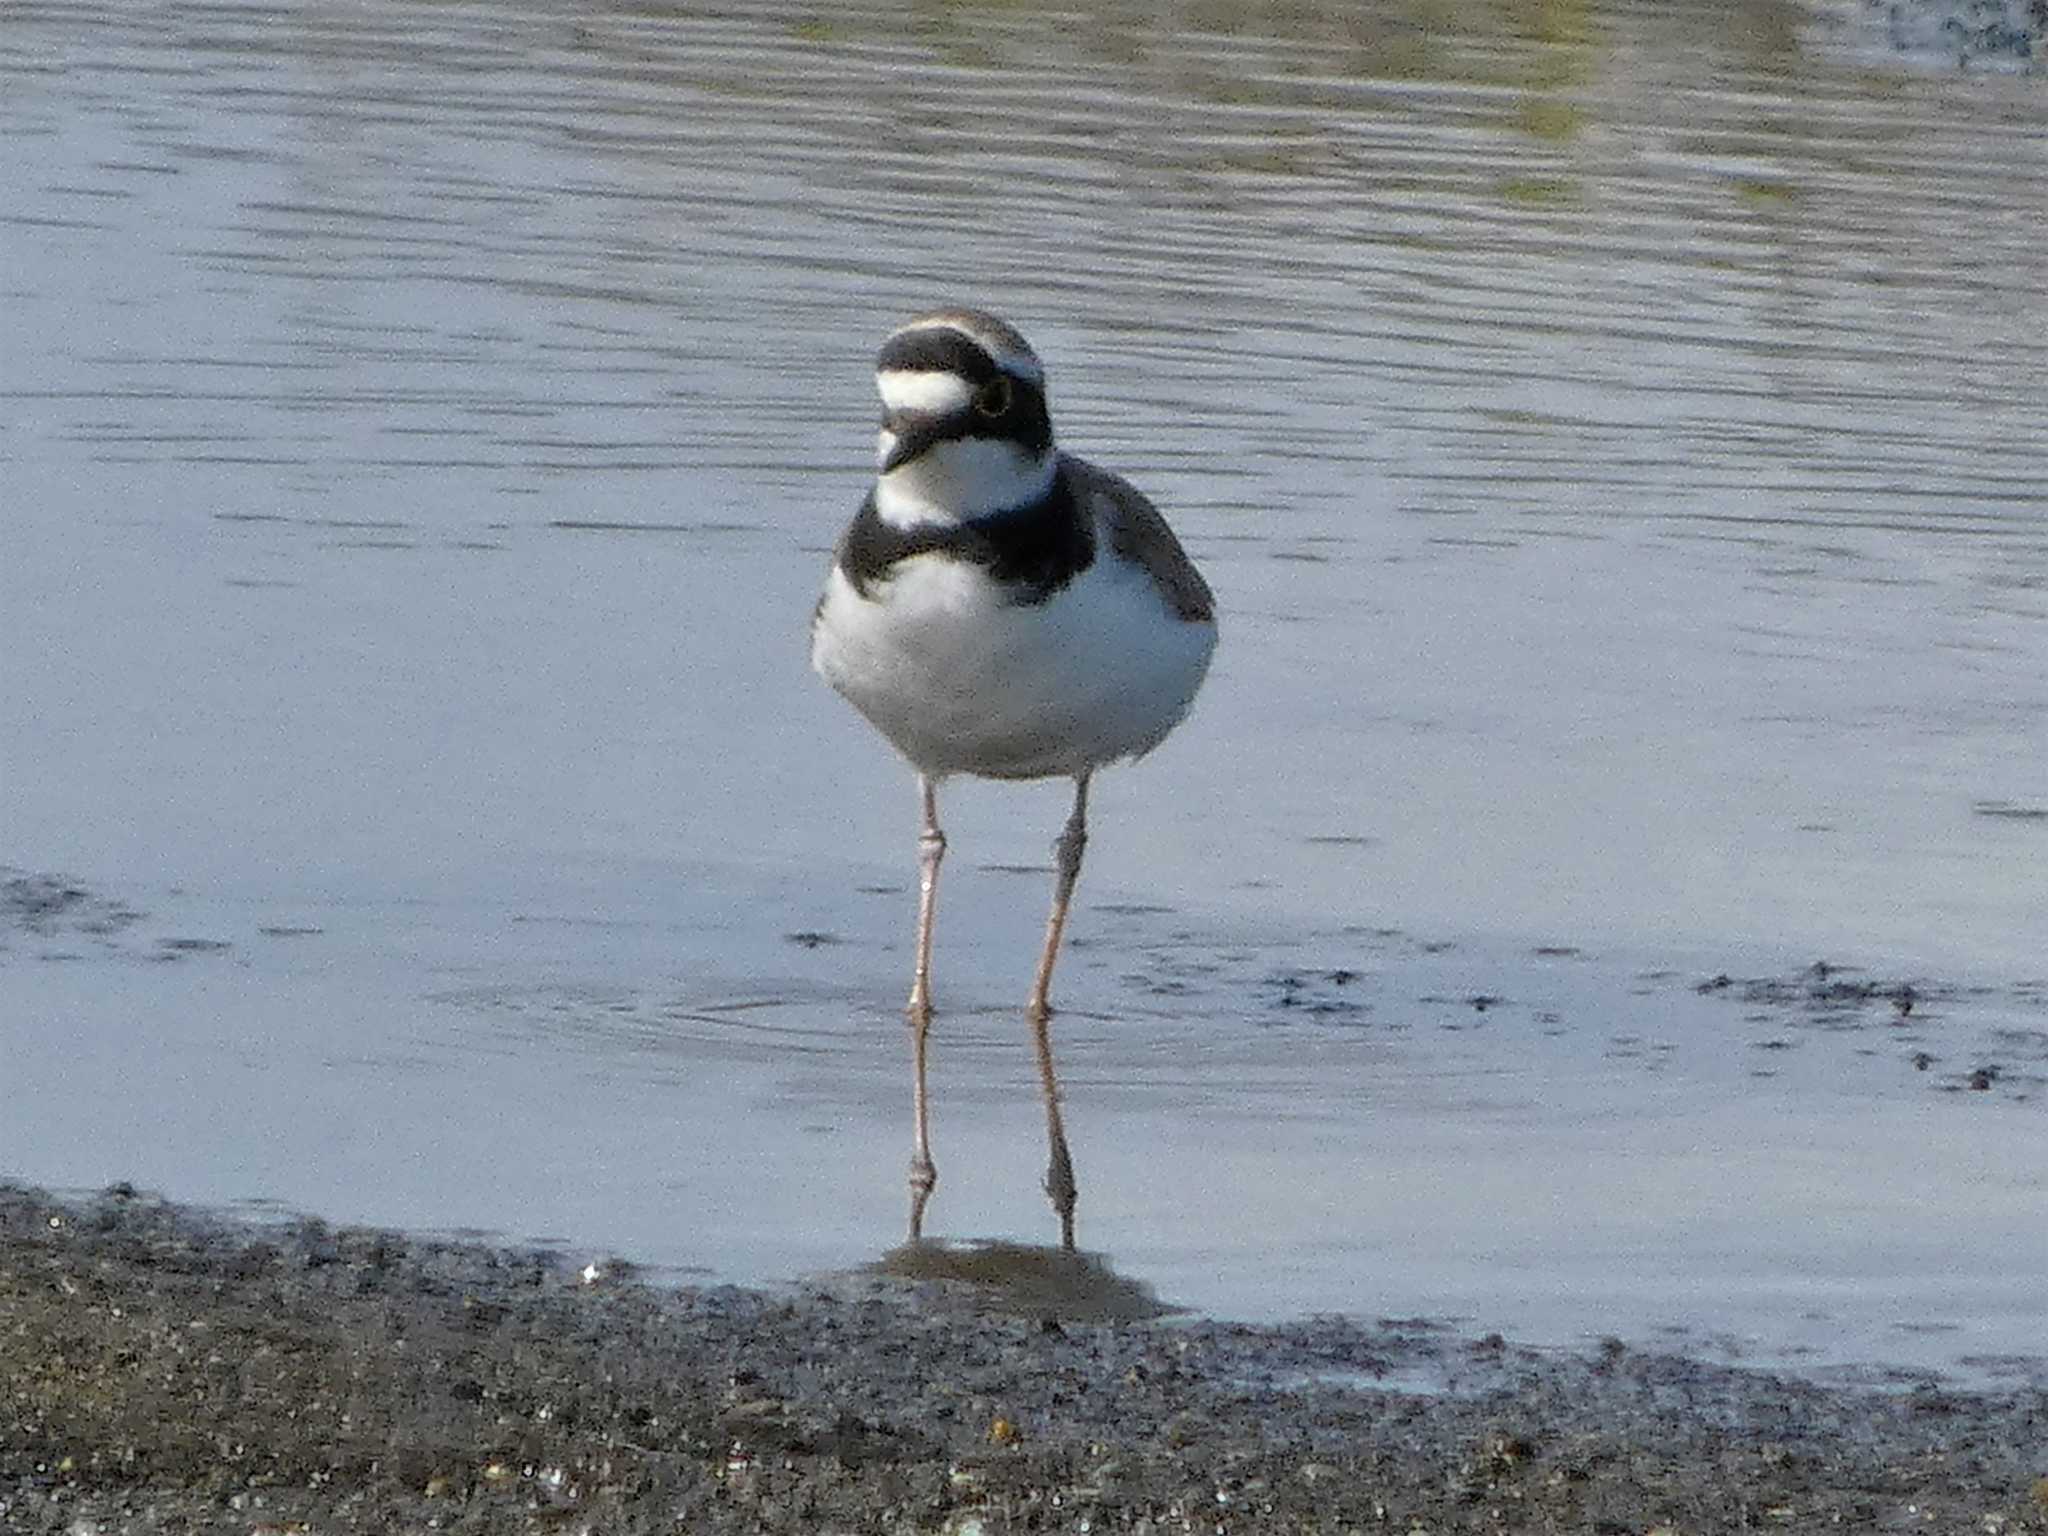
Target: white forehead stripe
(922, 389)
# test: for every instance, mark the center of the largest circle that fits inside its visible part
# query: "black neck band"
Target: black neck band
(1036, 548)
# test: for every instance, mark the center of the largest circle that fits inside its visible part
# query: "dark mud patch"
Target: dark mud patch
(2009, 36)
(1935, 1027)
(53, 917)
(811, 938)
(1826, 992)
(1326, 994)
(2006, 810)
(164, 1371)
(47, 911)
(1052, 1285)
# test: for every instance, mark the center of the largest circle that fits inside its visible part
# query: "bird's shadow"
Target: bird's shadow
(1026, 1279)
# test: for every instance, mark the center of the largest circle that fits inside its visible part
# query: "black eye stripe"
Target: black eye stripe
(1025, 424)
(1024, 420)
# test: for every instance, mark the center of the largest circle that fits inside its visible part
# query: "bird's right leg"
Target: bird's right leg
(931, 848)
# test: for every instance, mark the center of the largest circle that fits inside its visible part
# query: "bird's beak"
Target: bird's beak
(907, 434)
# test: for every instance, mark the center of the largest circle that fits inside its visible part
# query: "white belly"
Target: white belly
(963, 680)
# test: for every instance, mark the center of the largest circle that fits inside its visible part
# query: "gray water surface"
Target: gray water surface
(1613, 432)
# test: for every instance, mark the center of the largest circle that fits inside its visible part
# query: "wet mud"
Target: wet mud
(1911, 1016)
(167, 1371)
(45, 910)
(2001, 35)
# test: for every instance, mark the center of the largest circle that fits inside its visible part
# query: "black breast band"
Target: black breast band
(1036, 548)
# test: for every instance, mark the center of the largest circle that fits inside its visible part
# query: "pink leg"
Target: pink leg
(1059, 1171)
(931, 848)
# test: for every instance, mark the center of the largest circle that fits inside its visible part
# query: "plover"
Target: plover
(1000, 608)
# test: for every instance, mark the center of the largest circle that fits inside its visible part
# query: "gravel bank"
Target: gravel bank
(166, 1371)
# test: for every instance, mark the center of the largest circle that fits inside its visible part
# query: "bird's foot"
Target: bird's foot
(924, 1178)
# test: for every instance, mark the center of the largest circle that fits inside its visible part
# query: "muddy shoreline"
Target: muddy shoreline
(167, 1370)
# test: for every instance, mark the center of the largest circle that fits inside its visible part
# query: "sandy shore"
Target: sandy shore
(166, 1371)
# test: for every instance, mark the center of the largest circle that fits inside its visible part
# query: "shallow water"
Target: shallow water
(1613, 433)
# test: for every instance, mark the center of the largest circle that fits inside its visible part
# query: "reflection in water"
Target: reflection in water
(1060, 1187)
(1066, 1284)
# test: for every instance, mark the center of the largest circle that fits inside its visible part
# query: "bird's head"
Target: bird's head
(964, 424)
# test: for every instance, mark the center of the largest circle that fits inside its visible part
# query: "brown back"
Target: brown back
(1138, 533)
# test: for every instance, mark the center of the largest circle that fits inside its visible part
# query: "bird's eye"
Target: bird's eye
(993, 398)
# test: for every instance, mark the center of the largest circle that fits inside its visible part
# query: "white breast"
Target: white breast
(965, 680)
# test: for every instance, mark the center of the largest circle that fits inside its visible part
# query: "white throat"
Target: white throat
(959, 479)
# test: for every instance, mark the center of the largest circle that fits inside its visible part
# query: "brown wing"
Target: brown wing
(1139, 534)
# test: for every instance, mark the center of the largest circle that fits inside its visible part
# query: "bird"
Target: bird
(1001, 608)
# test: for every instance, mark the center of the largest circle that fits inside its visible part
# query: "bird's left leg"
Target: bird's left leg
(931, 851)
(1059, 1171)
